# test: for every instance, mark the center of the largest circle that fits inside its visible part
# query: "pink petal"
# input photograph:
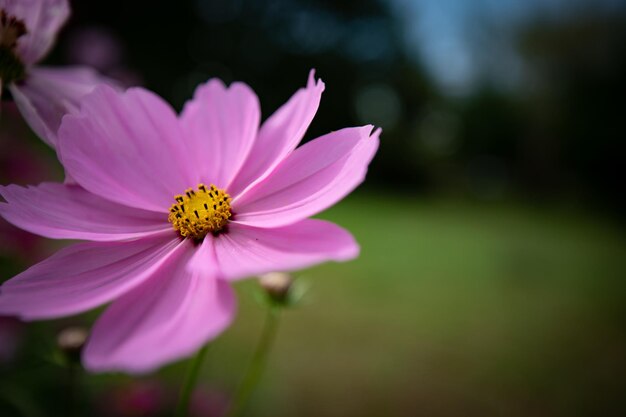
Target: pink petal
(63, 211)
(167, 318)
(245, 250)
(48, 94)
(310, 179)
(43, 19)
(126, 147)
(203, 259)
(280, 134)
(83, 276)
(220, 126)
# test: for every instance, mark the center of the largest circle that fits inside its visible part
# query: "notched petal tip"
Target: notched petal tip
(208, 86)
(370, 134)
(213, 85)
(313, 83)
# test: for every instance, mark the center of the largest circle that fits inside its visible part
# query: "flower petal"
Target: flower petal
(83, 276)
(61, 211)
(203, 259)
(167, 318)
(48, 94)
(220, 125)
(310, 179)
(126, 147)
(245, 250)
(280, 134)
(43, 19)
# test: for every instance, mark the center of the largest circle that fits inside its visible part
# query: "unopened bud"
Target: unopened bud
(71, 341)
(276, 285)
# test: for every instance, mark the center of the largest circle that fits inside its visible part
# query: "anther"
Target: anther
(210, 214)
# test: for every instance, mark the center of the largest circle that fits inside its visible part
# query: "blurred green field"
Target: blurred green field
(452, 309)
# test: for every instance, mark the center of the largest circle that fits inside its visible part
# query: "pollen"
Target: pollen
(200, 212)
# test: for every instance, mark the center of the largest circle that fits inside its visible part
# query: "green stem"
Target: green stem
(257, 365)
(190, 382)
(72, 387)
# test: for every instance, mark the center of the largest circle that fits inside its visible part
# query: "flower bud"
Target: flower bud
(71, 341)
(277, 285)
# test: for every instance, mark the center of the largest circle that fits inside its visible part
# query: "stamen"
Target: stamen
(11, 29)
(11, 67)
(211, 211)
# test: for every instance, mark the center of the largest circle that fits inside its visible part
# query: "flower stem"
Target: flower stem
(190, 382)
(257, 365)
(72, 387)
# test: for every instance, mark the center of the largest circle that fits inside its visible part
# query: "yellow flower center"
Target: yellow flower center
(200, 212)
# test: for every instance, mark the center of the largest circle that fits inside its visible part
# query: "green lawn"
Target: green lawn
(453, 309)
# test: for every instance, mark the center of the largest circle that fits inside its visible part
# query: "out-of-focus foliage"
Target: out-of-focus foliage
(577, 107)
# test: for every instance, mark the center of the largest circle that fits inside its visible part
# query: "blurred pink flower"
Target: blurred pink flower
(136, 399)
(99, 48)
(10, 337)
(96, 47)
(133, 161)
(19, 162)
(208, 402)
(28, 29)
(17, 243)
(152, 398)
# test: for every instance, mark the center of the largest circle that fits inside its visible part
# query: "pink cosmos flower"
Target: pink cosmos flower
(28, 29)
(176, 208)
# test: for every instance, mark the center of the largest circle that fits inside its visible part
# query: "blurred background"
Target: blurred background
(491, 279)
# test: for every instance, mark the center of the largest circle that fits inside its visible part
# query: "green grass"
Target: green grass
(452, 309)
